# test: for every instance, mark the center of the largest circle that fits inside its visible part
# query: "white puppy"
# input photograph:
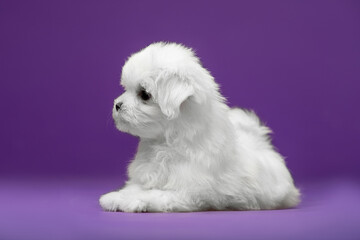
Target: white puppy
(195, 153)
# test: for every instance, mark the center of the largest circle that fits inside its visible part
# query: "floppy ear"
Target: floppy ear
(172, 91)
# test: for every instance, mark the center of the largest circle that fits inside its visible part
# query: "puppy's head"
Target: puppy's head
(162, 83)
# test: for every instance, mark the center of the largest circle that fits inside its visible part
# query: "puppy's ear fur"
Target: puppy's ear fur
(172, 91)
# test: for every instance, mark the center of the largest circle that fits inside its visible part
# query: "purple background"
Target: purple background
(296, 63)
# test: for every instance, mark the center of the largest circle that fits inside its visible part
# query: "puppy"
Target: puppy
(195, 153)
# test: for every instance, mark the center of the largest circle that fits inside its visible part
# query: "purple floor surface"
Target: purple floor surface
(68, 209)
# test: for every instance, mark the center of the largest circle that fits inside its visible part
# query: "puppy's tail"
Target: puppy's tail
(247, 121)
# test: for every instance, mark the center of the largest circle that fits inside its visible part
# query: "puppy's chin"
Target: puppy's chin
(122, 125)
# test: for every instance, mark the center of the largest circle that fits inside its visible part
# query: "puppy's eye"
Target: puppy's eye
(144, 95)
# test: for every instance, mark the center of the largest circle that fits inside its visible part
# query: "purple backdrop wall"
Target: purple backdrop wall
(295, 63)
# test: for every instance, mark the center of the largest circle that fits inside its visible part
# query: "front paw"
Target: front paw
(117, 201)
(110, 201)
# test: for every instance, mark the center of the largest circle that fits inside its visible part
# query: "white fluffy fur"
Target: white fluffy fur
(195, 153)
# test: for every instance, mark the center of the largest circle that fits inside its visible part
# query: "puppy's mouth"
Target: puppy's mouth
(119, 119)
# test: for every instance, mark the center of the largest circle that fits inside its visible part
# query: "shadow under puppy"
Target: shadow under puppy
(195, 153)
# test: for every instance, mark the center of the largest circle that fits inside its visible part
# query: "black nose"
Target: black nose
(118, 106)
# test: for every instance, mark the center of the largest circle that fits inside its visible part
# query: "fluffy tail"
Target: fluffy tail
(248, 122)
